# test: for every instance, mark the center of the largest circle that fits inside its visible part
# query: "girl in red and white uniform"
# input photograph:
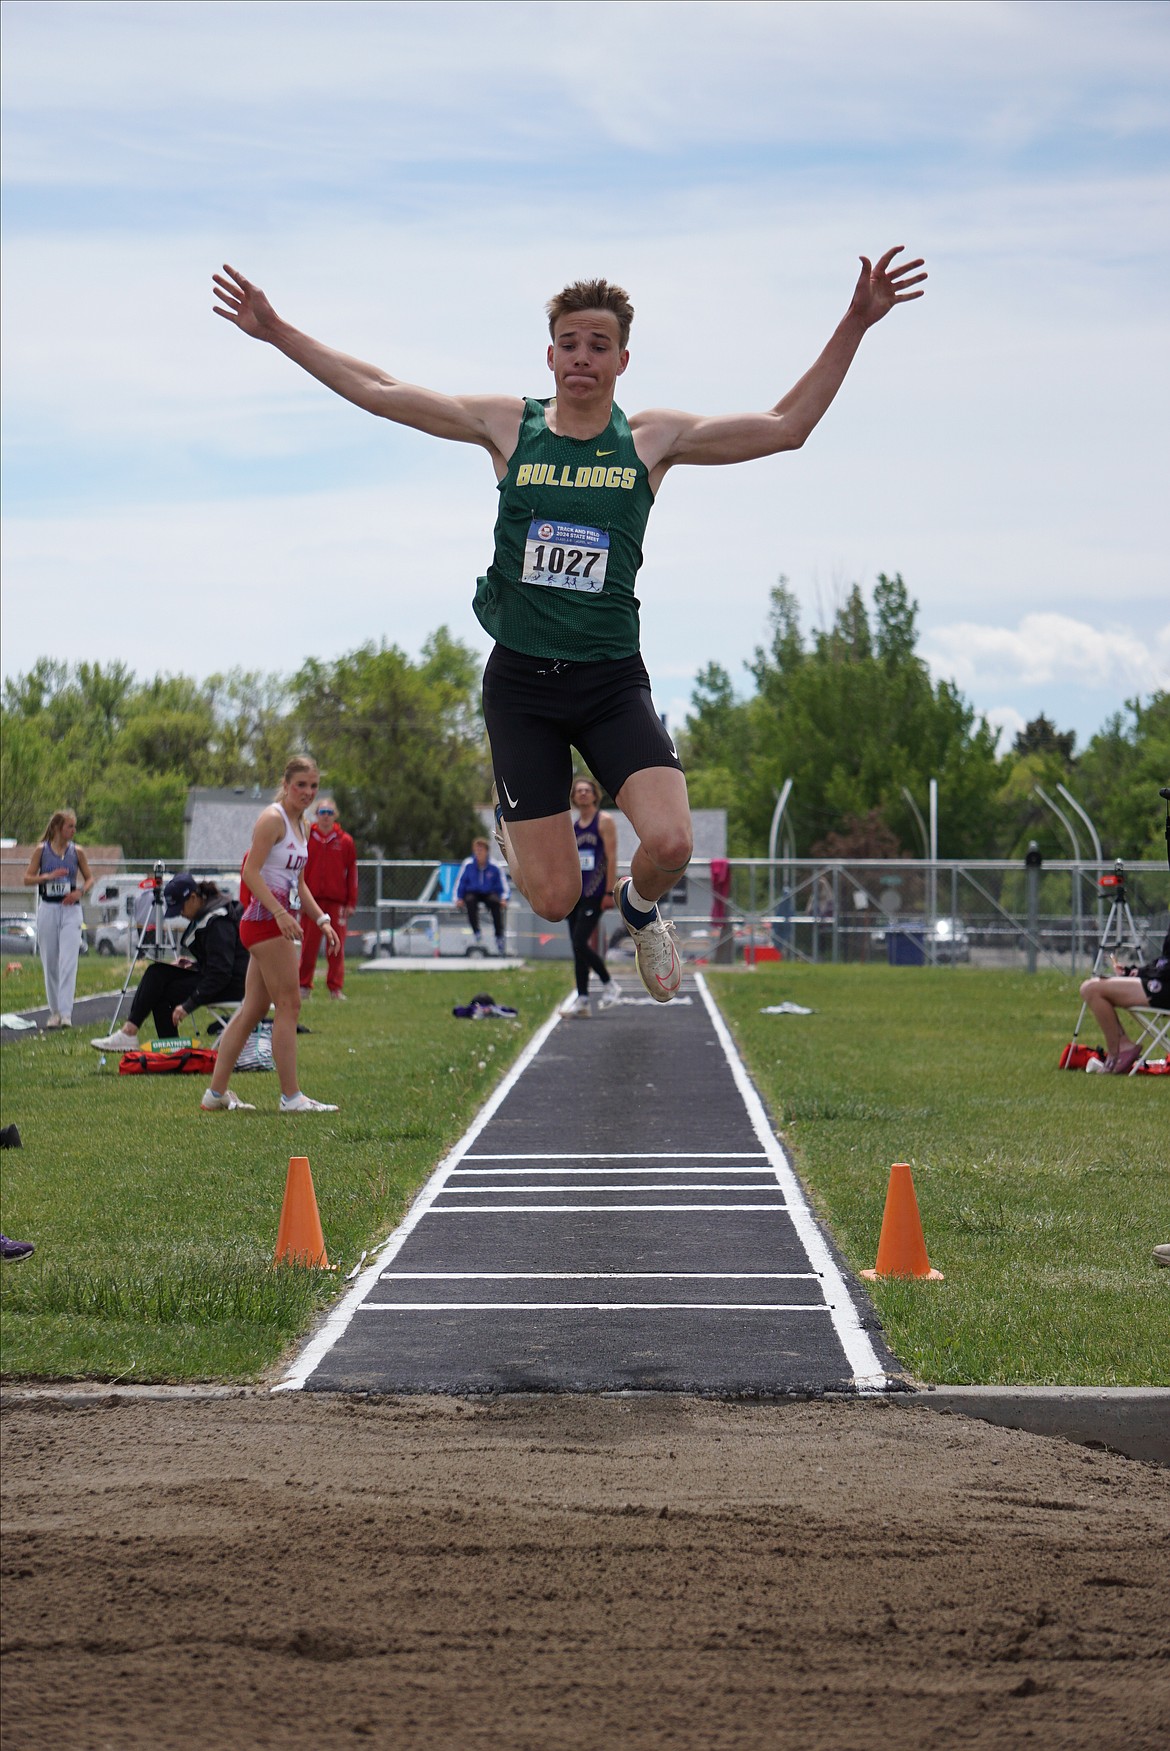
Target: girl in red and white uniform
(274, 882)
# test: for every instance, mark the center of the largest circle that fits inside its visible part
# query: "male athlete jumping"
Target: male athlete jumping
(576, 484)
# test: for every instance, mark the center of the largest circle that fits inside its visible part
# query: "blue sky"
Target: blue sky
(411, 182)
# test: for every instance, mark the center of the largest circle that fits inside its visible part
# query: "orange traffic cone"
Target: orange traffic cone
(299, 1240)
(901, 1247)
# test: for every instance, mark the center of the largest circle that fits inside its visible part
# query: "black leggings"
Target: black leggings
(162, 988)
(582, 923)
(473, 902)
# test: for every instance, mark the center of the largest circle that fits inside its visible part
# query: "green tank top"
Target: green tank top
(568, 544)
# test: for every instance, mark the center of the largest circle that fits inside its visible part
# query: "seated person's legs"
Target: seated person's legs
(160, 989)
(495, 907)
(1105, 997)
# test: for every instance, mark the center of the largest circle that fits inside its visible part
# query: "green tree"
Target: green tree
(851, 719)
(33, 777)
(1119, 775)
(400, 743)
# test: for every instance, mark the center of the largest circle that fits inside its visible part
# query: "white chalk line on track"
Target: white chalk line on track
(580, 1209)
(598, 1276)
(562, 1172)
(613, 1155)
(868, 1373)
(338, 1321)
(592, 1307)
(576, 1189)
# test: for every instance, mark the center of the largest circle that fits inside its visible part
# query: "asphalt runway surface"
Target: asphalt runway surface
(621, 1217)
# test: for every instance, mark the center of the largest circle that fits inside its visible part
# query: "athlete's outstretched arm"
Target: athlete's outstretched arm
(664, 437)
(492, 421)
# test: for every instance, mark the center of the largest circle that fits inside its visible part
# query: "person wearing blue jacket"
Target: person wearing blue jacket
(481, 883)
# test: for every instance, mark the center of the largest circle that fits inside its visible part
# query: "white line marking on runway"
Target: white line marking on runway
(636, 1155)
(338, 1321)
(859, 1352)
(480, 1172)
(592, 1276)
(592, 1307)
(578, 1209)
(481, 1191)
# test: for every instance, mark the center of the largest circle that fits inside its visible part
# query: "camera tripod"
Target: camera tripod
(1120, 933)
(147, 918)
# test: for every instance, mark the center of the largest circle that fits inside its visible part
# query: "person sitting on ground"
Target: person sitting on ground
(1145, 987)
(212, 965)
(481, 883)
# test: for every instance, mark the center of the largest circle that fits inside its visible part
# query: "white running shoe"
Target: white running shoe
(120, 1041)
(656, 953)
(498, 828)
(225, 1103)
(302, 1104)
(610, 995)
(576, 1005)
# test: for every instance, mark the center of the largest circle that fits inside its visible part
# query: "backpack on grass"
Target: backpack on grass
(191, 1061)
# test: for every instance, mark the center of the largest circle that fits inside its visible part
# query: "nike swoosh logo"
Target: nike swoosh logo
(605, 452)
(673, 749)
(513, 801)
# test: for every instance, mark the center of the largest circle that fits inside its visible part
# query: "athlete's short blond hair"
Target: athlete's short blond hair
(592, 295)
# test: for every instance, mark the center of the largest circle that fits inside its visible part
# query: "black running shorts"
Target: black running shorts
(537, 709)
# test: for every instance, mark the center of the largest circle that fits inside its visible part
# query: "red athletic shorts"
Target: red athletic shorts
(263, 930)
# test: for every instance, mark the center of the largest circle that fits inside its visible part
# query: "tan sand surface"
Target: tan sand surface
(538, 1573)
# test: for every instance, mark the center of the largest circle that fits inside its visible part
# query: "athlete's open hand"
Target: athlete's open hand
(881, 285)
(246, 304)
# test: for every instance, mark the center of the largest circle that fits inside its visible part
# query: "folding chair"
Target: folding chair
(1155, 1032)
(221, 1014)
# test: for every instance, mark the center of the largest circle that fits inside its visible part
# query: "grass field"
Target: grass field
(25, 989)
(1041, 1192)
(154, 1223)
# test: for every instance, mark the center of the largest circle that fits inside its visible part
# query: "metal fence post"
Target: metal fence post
(1032, 861)
(836, 904)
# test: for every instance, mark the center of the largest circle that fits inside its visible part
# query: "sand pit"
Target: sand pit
(530, 1574)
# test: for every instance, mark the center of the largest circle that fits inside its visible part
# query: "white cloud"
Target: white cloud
(1001, 443)
(1007, 722)
(1051, 648)
(225, 81)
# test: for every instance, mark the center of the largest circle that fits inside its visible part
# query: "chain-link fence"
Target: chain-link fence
(742, 911)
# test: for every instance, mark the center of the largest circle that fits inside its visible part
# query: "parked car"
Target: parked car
(427, 934)
(945, 942)
(112, 938)
(18, 935)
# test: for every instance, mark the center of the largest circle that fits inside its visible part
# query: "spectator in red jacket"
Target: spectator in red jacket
(331, 877)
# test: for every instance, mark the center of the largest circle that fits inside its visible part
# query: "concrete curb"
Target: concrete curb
(1132, 1420)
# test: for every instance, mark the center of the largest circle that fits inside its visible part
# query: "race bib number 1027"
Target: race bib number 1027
(566, 556)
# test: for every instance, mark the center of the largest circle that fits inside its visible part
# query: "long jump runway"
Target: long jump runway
(620, 1217)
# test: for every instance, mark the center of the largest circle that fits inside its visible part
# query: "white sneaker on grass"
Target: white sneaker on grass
(610, 995)
(300, 1103)
(656, 953)
(225, 1103)
(119, 1041)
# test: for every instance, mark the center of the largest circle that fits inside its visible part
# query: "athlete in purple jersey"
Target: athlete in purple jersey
(596, 838)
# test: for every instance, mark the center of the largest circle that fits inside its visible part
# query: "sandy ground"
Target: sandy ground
(529, 1574)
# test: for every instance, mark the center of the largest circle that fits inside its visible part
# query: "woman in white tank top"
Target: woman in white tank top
(273, 886)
